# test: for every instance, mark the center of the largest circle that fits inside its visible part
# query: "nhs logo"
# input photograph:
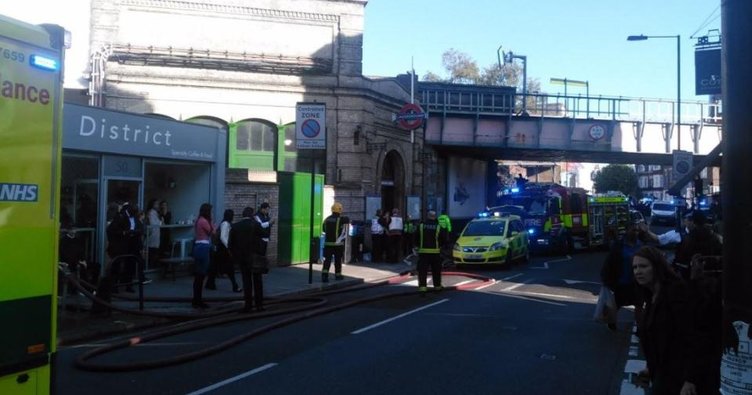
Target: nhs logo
(18, 192)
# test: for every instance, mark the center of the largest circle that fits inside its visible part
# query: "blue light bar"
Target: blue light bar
(43, 62)
(515, 190)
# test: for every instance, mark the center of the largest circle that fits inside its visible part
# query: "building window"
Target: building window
(255, 136)
(657, 181)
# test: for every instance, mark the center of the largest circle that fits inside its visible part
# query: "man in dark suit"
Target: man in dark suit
(245, 244)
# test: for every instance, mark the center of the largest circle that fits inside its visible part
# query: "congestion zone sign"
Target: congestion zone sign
(310, 126)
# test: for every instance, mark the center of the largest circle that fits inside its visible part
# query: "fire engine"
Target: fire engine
(558, 218)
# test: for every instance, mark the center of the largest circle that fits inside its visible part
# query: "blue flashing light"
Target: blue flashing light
(703, 202)
(515, 190)
(531, 231)
(483, 214)
(43, 62)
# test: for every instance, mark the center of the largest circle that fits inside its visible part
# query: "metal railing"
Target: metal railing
(490, 102)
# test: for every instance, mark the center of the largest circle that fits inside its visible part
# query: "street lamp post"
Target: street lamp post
(508, 57)
(643, 37)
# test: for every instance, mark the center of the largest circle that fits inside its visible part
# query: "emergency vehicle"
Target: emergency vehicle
(557, 218)
(31, 99)
(608, 215)
(554, 216)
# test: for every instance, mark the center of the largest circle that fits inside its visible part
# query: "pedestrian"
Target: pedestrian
(222, 262)
(71, 252)
(697, 238)
(429, 238)
(446, 249)
(203, 230)
(386, 219)
(263, 218)
(667, 330)
(153, 235)
(394, 235)
(164, 233)
(377, 238)
(407, 239)
(616, 272)
(335, 230)
(124, 235)
(245, 241)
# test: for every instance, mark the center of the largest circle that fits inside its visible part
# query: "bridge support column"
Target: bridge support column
(638, 130)
(668, 132)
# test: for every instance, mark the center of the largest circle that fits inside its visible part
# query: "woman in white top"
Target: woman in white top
(222, 262)
(153, 223)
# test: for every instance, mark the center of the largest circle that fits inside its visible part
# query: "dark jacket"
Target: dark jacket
(246, 243)
(429, 236)
(122, 239)
(701, 241)
(669, 339)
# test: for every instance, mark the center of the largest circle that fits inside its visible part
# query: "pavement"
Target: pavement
(76, 324)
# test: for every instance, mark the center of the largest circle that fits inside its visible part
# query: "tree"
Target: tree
(462, 69)
(620, 178)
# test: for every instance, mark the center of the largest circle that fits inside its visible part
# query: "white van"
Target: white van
(663, 213)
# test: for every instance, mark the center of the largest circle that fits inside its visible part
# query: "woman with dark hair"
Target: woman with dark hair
(203, 230)
(222, 261)
(667, 332)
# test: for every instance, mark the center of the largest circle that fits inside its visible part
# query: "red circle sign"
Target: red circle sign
(411, 116)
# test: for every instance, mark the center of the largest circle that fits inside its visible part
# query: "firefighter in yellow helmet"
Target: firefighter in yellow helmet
(335, 228)
(429, 238)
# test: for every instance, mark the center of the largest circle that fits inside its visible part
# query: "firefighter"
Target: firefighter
(446, 249)
(335, 229)
(429, 238)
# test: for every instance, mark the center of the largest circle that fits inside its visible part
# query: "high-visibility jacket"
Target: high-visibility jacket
(445, 222)
(335, 227)
(430, 236)
(409, 227)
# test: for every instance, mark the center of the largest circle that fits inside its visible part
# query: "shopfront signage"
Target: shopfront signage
(100, 130)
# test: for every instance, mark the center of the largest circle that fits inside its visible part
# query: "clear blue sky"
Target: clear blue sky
(575, 39)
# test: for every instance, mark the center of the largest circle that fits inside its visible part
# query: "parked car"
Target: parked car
(663, 213)
(497, 239)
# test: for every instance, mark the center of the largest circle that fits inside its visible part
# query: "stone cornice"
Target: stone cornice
(231, 9)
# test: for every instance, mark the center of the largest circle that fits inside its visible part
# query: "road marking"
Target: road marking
(486, 286)
(545, 264)
(515, 286)
(464, 282)
(233, 379)
(571, 282)
(511, 277)
(378, 324)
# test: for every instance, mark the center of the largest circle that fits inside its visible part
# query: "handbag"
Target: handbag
(605, 307)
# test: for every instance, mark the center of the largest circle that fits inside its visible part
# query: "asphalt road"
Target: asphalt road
(530, 332)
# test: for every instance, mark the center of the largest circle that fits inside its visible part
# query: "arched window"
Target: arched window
(255, 135)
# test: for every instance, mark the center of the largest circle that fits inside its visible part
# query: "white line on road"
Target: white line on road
(545, 264)
(232, 379)
(511, 277)
(368, 328)
(515, 286)
(486, 286)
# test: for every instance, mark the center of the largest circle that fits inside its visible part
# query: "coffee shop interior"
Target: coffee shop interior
(90, 199)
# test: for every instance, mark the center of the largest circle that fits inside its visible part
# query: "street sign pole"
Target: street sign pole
(310, 135)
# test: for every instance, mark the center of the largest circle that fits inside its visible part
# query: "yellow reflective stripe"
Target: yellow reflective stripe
(429, 250)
